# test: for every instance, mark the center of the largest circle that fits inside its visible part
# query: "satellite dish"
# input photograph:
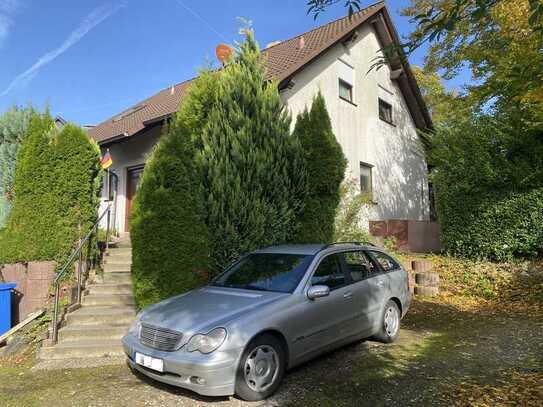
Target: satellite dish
(223, 52)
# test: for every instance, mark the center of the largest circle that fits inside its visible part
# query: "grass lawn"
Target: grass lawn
(452, 350)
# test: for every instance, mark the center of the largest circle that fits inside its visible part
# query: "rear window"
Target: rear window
(387, 263)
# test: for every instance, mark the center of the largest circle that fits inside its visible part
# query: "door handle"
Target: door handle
(380, 283)
(348, 296)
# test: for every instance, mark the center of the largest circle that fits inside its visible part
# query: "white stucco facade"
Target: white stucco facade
(129, 154)
(399, 170)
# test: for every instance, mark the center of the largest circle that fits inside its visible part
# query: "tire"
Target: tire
(426, 291)
(271, 353)
(422, 266)
(386, 334)
(428, 278)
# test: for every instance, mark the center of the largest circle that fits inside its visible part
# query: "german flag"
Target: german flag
(106, 161)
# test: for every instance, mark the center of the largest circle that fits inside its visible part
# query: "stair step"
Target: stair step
(82, 349)
(96, 315)
(108, 267)
(94, 332)
(110, 288)
(116, 260)
(109, 299)
(119, 251)
(117, 277)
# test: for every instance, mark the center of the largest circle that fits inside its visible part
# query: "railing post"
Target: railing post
(107, 227)
(55, 314)
(79, 274)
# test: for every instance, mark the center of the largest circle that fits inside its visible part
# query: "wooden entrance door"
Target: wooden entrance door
(132, 183)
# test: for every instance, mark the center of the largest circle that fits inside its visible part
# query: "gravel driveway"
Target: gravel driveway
(443, 357)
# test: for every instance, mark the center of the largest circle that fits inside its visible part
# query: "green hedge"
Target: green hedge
(170, 250)
(488, 178)
(498, 226)
(56, 192)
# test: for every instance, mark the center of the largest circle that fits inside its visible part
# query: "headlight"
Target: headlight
(135, 328)
(207, 343)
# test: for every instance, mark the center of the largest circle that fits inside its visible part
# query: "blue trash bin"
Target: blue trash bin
(5, 306)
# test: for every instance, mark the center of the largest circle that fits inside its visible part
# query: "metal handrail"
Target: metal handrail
(77, 252)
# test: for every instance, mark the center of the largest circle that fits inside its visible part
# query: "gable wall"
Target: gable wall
(400, 185)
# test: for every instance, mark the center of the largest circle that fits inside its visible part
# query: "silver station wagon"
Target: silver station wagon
(272, 310)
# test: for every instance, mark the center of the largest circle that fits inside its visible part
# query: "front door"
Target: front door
(132, 184)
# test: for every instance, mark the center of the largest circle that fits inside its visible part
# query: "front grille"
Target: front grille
(160, 338)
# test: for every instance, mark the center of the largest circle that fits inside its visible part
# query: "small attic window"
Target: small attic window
(128, 112)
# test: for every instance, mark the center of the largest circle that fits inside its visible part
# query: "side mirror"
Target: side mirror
(318, 291)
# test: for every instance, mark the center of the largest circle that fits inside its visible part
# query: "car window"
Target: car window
(386, 262)
(329, 273)
(359, 266)
(278, 272)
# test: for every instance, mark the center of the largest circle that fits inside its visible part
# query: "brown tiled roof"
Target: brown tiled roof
(281, 62)
(287, 57)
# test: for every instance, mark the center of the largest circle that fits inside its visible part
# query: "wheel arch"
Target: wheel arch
(280, 337)
(398, 303)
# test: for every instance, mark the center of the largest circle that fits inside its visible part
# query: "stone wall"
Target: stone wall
(33, 281)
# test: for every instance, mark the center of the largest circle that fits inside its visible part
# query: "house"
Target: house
(375, 114)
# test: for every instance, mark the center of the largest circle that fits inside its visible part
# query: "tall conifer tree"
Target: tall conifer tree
(325, 165)
(253, 171)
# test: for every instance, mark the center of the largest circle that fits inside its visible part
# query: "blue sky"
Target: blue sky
(89, 60)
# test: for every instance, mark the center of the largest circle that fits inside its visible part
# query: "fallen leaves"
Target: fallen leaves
(515, 388)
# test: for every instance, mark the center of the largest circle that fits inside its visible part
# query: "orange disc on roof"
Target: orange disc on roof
(223, 52)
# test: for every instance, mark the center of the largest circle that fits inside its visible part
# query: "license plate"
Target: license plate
(149, 362)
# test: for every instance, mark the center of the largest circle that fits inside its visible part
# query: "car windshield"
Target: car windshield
(266, 272)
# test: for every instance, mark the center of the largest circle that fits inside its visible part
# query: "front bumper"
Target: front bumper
(209, 375)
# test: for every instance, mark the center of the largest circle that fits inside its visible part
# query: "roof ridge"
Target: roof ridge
(324, 25)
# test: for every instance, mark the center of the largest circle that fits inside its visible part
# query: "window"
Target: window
(329, 273)
(365, 179)
(385, 111)
(345, 91)
(358, 265)
(386, 262)
(266, 272)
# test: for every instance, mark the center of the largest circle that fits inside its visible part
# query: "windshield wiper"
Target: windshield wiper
(253, 287)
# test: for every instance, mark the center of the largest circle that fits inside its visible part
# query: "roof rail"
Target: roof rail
(355, 243)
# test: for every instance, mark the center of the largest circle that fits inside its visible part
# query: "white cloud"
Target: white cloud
(10, 6)
(96, 17)
(5, 26)
(8, 9)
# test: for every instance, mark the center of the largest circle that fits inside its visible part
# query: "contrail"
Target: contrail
(92, 20)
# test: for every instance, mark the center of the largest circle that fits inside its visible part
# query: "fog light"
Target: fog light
(197, 380)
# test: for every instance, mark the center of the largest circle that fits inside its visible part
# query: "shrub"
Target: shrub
(13, 126)
(169, 236)
(252, 168)
(325, 165)
(56, 192)
(488, 180)
(348, 224)
(494, 225)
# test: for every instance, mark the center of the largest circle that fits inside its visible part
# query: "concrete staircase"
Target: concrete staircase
(95, 330)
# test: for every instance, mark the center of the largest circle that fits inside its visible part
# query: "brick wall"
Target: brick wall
(33, 281)
(411, 235)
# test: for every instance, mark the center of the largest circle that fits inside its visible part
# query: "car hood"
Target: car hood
(206, 308)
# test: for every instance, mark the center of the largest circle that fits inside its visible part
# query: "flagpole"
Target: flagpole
(108, 203)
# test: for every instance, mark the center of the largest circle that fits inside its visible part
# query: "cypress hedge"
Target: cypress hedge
(253, 171)
(168, 233)
(13, 126)
(55, 192)
(326, 166)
